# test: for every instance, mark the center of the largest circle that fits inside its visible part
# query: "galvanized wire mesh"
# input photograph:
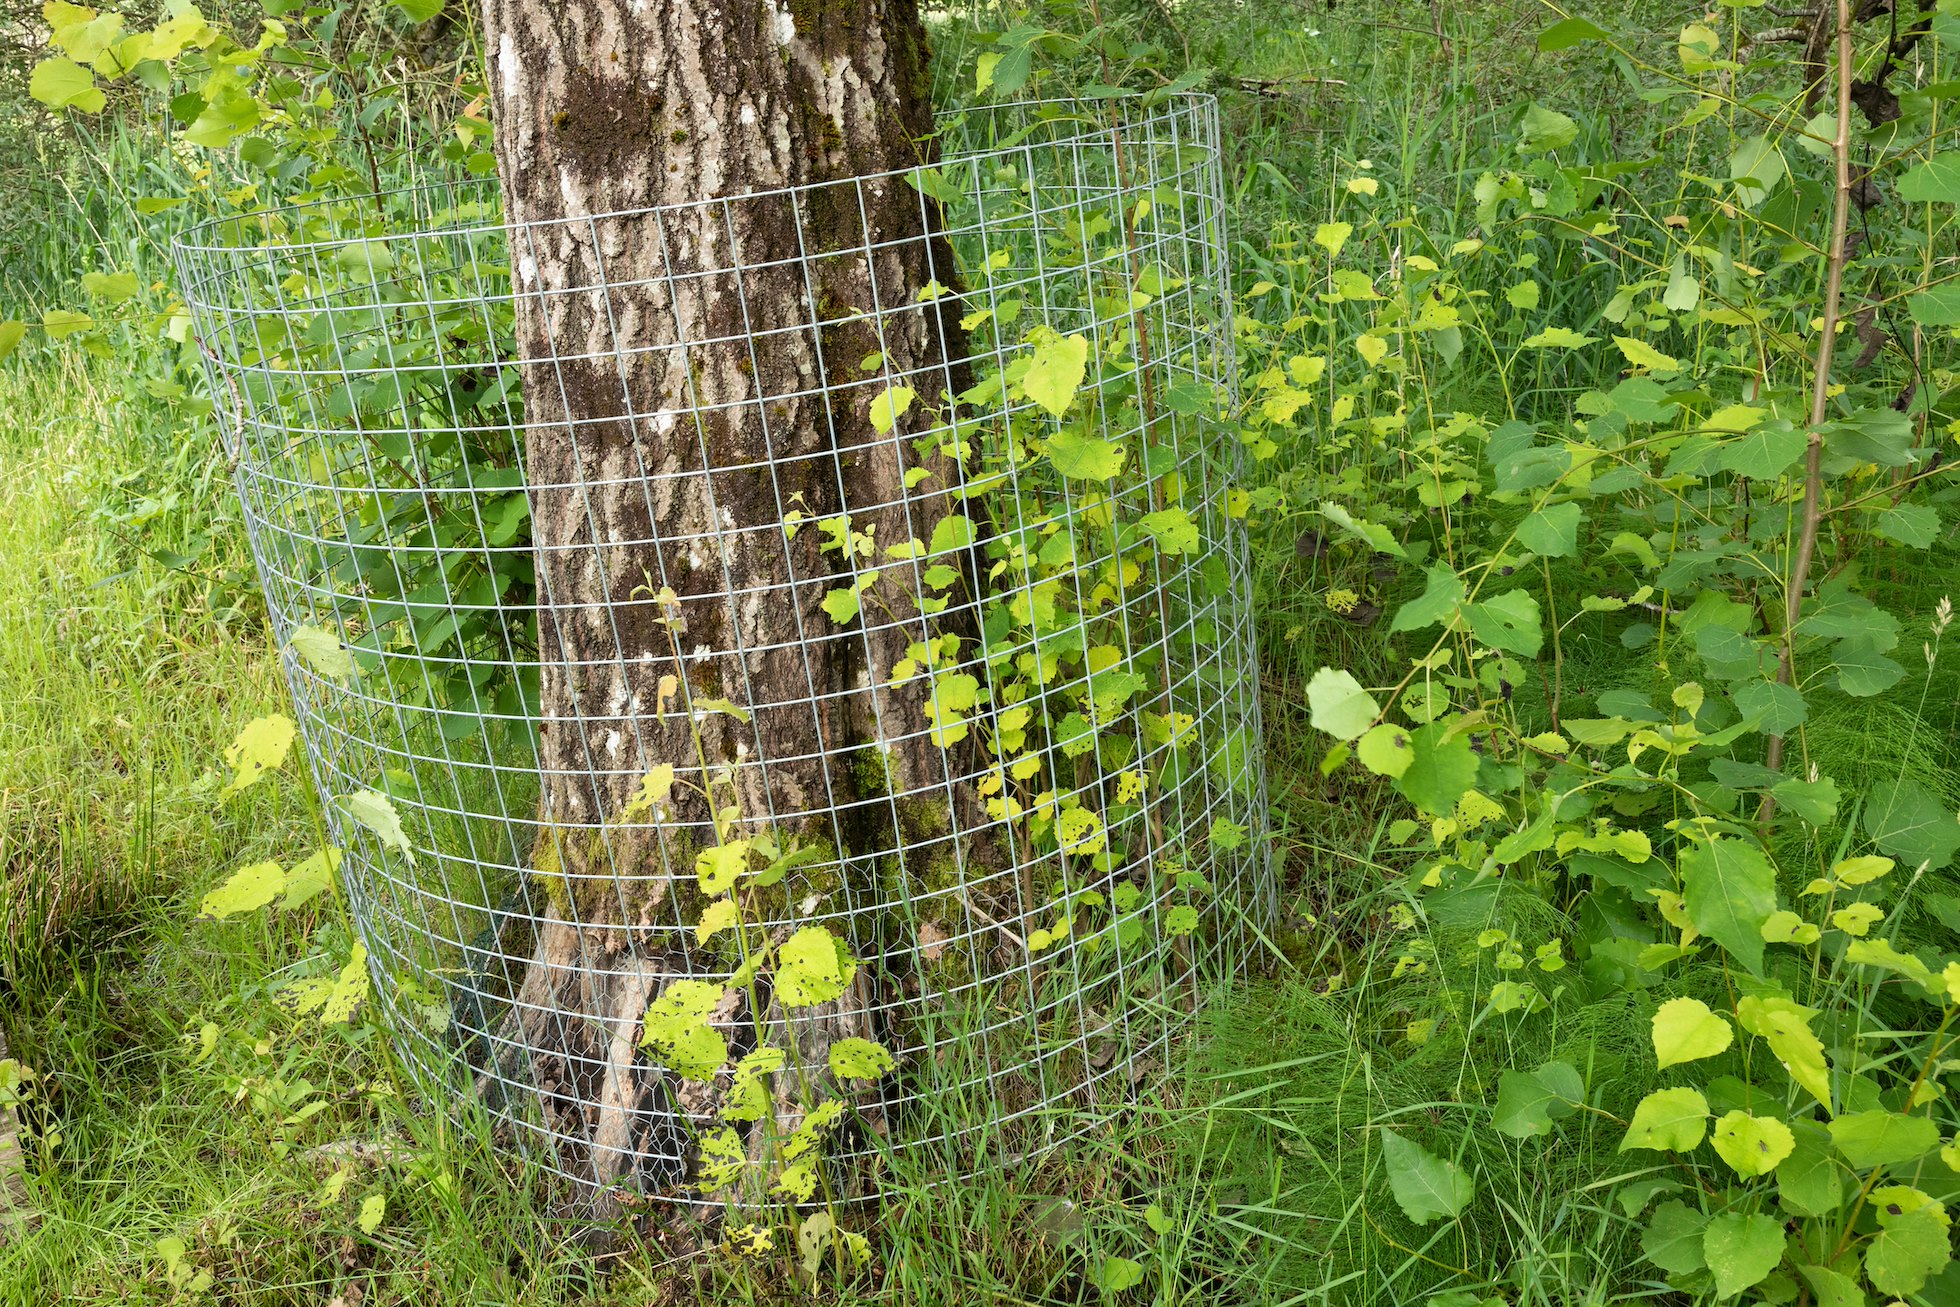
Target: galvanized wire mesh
(1021, 966)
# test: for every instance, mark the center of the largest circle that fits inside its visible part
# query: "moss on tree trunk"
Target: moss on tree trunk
(676, 386)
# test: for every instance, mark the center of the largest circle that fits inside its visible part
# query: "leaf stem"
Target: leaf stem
(1820, 387)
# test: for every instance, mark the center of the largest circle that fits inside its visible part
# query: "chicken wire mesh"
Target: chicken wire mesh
(601, 607)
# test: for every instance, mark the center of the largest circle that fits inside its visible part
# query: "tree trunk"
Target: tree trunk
(691, 382)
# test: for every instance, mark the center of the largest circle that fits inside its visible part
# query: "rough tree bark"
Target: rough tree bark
(694, 347)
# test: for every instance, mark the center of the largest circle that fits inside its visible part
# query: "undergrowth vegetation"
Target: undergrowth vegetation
(1596, 383)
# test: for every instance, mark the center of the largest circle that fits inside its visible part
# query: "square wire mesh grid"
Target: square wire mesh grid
(588, 498)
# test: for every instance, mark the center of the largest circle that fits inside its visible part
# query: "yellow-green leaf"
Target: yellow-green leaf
(1685, 1030)
(1056, 372)
(261, 747)
(889, 407)
(1668, 1121)
(1785, 1027)
(245, 890)
(64, 84)
(1642, 355)
(1752, 1145)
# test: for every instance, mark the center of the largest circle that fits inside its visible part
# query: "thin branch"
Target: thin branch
(1820, 384)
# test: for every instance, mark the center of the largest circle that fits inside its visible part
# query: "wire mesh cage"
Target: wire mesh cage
(802, 696)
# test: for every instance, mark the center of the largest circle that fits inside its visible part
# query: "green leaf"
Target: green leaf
(223, 120)
(813, 967)
(1741, 1250)
(1785, 1026)
(1908, 1250)
(1386, 750)
(376, 811)
(246, 890)
(1568, 33)
(1552, 531)
(1685, 1030)
(1173, 530)
(1442, 594)
(11, 332)
(1909, 821)
(1673, 1238)
(374, 1209)
(321, 650)
(1668, 1121)
(1117, 1274)
(419, 11)
(1642, 355)
(860, 1059)
(1832, 1289)
(350, 988)
(1862, 667)
(1807, 1183)
(951, 534)
(1084, 457)
(1939, 307)
(1376, 536)
(59, 323)
(1559, 338)
(890, 405)
(1936, 181)
(842, 605)
(1545, 129)
(1913, 525)
(1757, 168)
(112, 287)
(1339, 705)
(1730, 888)
(677, 1025)
(1509, 622)
(64, 84)
(1529, 1101)
(719, 866)
(1751, 1145)
(261, 747)
(309, 879)
(1879, 1138)
(1765, 452)
(1880, 953)
(1777, 709)
(1441, 771)
(1425, 1186)
(1056, 372)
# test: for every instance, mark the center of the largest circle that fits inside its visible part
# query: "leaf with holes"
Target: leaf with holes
(261, 747)
(813, 967)
(1751, 1145)
(321, 650)
(245, 890)
(350, 987)
(860, 1059)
